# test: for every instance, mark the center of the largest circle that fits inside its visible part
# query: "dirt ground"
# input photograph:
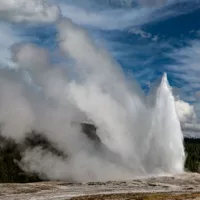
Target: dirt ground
(184, 186)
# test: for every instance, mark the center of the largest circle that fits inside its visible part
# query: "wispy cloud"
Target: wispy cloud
(119, 18)
(143, 34)
(187, 63)
(105, 19)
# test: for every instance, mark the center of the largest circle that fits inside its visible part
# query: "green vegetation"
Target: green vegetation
(10, 154)
(9, 168)
(192, 149)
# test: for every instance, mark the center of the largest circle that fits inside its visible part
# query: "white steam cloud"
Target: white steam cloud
(95, 90)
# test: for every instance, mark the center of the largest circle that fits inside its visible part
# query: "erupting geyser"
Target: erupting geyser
(140, 135)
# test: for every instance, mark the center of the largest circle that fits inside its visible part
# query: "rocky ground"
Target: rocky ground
(185, 186)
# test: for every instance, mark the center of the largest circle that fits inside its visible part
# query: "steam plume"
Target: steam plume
(140, 135)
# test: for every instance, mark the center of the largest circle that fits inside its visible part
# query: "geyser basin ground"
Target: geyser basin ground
(185, 186)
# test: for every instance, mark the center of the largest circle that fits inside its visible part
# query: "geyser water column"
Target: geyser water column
(165, 151)
(146, 134)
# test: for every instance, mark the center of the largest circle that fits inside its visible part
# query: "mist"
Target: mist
(140, 135)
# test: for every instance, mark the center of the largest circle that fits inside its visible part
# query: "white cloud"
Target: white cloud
(144, 34)
(191, 129)
(28, 11)
(185, 111)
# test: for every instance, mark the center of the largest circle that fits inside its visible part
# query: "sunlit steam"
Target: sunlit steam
(140, 135)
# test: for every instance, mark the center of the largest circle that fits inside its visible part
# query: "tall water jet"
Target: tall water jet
(165, 139)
